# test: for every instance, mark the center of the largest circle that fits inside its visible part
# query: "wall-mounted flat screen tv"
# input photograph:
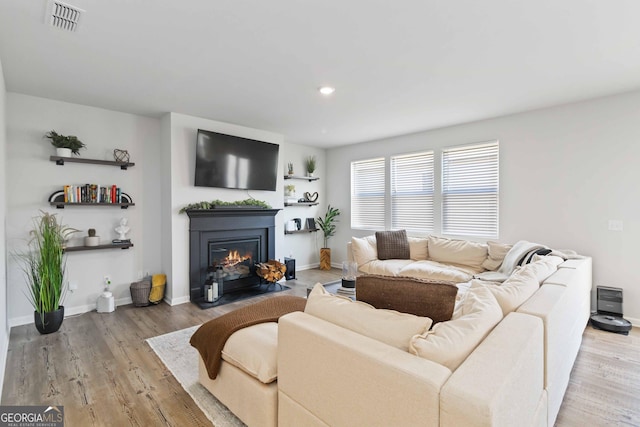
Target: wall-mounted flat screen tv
(227, 161)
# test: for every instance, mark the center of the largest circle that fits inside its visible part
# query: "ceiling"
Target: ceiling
(397, 66)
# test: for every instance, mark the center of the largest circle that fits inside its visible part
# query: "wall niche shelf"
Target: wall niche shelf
(91, 248)
(61, 205)
(313, 230)
(304, 178)
(62, 160)
(302, 204)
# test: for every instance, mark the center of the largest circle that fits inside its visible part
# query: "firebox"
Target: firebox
(236, 257)
(233, 238)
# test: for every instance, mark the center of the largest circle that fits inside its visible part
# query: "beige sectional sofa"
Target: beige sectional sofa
(516, 375)
(503, 359)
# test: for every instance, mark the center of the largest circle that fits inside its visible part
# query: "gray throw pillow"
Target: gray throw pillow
(392, 244)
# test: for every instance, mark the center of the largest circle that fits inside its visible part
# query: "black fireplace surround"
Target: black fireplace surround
(249, 231)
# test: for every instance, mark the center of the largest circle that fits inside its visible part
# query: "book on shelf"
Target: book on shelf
(92, 193)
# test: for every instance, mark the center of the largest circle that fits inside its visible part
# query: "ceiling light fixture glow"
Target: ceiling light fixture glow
(327, 90)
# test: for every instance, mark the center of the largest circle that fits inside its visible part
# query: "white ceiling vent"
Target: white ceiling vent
(63, 16)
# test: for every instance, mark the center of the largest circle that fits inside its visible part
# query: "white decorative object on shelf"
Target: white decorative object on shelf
(122, 229)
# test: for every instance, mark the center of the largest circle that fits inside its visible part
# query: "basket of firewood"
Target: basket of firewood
(271, 271)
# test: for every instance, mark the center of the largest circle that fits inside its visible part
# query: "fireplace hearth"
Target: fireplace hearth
(232, 238)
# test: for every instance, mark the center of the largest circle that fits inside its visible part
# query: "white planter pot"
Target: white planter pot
(92, 240)
(63, 152)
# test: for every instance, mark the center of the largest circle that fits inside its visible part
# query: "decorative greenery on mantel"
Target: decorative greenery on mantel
(217, 203)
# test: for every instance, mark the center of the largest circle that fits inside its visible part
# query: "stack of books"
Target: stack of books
(347, 292)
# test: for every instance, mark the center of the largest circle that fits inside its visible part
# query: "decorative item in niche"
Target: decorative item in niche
(311, 165)
(65, 145)
(121, 155)
(311, 197)
(92, 239)
(122, 230)
(290, 168)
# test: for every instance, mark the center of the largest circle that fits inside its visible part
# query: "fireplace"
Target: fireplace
(232, 238)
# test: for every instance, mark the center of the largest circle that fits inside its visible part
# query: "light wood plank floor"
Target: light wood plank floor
(100, 368)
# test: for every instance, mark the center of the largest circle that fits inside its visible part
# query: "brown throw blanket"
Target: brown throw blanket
(211, 337)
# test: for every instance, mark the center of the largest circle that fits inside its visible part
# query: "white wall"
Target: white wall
(4, 329)
(34, 178)
(564, 173)
(180, 162)
(305, 247)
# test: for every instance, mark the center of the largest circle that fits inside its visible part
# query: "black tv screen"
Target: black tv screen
(227, 161)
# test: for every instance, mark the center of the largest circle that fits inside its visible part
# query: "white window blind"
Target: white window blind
(470, 190)
(412, 192)
(367, 194)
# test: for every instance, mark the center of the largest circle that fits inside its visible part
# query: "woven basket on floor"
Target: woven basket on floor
(140, 292)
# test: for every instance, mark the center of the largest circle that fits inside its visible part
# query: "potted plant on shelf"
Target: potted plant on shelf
(328, 226)
(290, 168)
(44, 265)
(65, 145)
(311, 165)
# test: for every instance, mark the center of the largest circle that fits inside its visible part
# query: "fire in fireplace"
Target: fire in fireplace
(236, 257)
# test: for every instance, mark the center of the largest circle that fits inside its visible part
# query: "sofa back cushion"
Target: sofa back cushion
(522, 283)
(387, 326)
(421, 297)
(418, 248)
(392, 244)
(364, 249)
(463, 252)
(449, 343)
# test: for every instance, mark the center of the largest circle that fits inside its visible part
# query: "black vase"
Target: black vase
(52, 320)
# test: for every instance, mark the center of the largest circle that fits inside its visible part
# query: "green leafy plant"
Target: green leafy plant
(290, 168)
(328, 223)
(61, 141)
(212, 204)
(44, 263)
(311, 164)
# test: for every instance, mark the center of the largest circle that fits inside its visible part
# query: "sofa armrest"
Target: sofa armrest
(501, 382)
(342, 378)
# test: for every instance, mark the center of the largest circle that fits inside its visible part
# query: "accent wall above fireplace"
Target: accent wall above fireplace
(233, 238)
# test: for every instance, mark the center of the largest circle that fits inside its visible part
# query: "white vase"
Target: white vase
(63, 152)
(92, 240)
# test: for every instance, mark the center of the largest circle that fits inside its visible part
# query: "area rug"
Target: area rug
(182, 360)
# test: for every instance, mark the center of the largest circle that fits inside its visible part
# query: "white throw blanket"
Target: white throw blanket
(510, 262)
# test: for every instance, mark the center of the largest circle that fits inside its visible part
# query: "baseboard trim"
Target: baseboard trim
(68, 312)
(635, 322)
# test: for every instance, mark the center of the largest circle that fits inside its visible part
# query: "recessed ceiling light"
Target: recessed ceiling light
(327, 90)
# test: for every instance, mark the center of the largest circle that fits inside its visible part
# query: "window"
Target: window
(412, 192)
(470, 190)
(367, 194)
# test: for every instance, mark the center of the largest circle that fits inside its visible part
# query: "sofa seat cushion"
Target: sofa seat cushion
(389, 267)
(254, 350)
(433, 270)
(388, 326)
(460, 252)
(449, 343)
(425, 298)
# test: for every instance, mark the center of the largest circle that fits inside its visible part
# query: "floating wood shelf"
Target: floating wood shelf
(302, 231)
(61, 205)
(61, 161)
(305, 178)
(302, 204)
(91, 248)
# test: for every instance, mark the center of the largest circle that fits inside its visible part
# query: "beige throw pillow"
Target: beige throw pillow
(387, 326)
(497, 252)
(418, 248)
(463, 252)
(449, 343)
